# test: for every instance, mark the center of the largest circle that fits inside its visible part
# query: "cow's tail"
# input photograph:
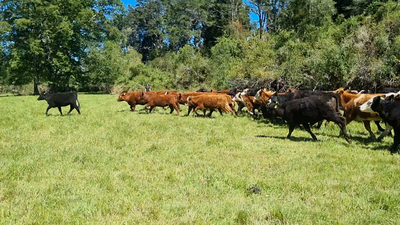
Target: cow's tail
(337, 103)
(79, 104)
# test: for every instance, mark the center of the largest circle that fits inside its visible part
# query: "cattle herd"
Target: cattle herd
(294, 106)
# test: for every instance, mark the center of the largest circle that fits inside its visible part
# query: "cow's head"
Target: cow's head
(375, 106)
(122, 97)
(42, 96)
(258, 97)
(339, 91)
(189, 101)
(270, 110)
(273, 100)
(238, 98)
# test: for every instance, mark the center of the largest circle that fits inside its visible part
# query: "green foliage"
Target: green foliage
(225, 56)
(105, 65)
(304, 43)
(48, 39)
(184, 69)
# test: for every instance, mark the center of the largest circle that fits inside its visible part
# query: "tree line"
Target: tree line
(98, 45)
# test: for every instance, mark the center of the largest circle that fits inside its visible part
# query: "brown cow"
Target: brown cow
(162, 100)
(246, 101)
(167, 92)
(212, 102)
(182, 98)
(351, 103)
(262, 96)
(132, 98)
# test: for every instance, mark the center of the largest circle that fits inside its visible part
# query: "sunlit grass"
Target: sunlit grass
(110, 165)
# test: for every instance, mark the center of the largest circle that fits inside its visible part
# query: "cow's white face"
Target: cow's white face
(244, 92)
(238, 97)
(366, 107)
(257, 97)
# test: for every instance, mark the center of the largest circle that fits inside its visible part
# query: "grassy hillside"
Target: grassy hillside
(112, 166)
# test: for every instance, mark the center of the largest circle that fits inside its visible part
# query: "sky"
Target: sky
(128, 2)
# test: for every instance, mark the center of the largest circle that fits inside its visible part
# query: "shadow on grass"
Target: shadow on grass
(292, 138)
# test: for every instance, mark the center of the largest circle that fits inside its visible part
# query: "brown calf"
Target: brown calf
(351, 103)
(162, 100)
(132, 98)
(212, 102)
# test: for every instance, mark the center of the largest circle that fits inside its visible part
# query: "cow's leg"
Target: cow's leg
(396, 141)
(220, 111)
(386, 132)
(240, 107)
(145, 108)
(307, 127)
(379, 126)
(152, 108)
(341, 122)
(72, 107)
(319, 124)
(367, 126)
(291, 128)
(232, 107)
(233, 112)
(77, 109)
(172, 108)
(177, 109)
(211, 111)
(132, 107)
(189, 110)
(198, 108)
(59, 109)
(250, 109)
(48, 108)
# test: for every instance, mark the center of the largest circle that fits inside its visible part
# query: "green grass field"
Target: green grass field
(112, 166)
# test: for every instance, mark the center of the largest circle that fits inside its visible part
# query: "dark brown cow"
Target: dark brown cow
(132, 98)
(162, 100)
(212, 102)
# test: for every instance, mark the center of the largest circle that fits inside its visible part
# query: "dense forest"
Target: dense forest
(98, 45)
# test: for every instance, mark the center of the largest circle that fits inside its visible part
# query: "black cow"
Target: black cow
(61, 99)
(306, 111)
(291, 95)
(389, 111)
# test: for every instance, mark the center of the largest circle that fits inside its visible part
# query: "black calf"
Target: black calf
(389, 111)
(61, 99)
(307, 111)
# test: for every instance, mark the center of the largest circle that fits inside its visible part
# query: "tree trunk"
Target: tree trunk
(35, 86)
